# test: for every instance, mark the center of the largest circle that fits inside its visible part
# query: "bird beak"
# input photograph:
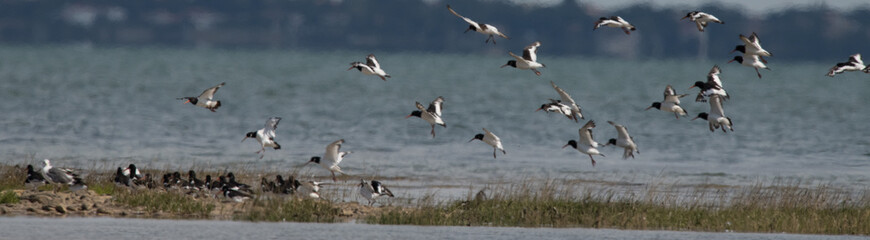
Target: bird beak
(243, 139)
(409, 115)
(472, 139)
(351, 67)
(539, 109)
(502, 66)
(684, 17)
(693, 86)
(693, 119)
(566, 145)
(731, 61)
(188, 100)
(732, 51)
(648, 108)
(466, 30)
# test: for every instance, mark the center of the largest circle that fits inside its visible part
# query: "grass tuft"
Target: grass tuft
(175, 203)
(8, 196)
(289, 209)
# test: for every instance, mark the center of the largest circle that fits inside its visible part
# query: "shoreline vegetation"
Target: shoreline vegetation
(776, 207)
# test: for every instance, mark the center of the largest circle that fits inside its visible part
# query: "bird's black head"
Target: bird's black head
(415, 113)
(132, 168)
(739, 48)
(543, 107)
(571, 143)
(250, 135)
(191, 174)
(279, 179)
(207, 178)
(700, 85)
(702, 115)
(315, 160)
(471, 27)
(191, 100)
(512, 63)
(656, 105)
(120, 171)
(739, 59)
(29, 168)
(479, 136)
(603, 18)
(231, 177)
(611, 141)
(689, 15)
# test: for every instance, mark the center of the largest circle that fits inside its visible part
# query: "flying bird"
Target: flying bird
(432, 115)
(265, 136)
(529, 60)
(713, 86)
(671, 103)
(574, 110)
(716, 118)
(491, 139)
(701, 19)
(331, 158)
(371, 67)
(752, 46)
(752, 61)
(482, 28)
(206, 98)
(585, 144)
(616, 22)
(623, 140)
(854, 64)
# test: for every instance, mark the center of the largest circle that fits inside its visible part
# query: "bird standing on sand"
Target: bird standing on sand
(623, 140)
(616, 22)
(331, 158)
(372, 191)
(701, 19)
(371, 67)
(265, 136)
(482, 28)
(585, 144)
(432, 115)
(491, 139)
(529, 60)
(671, 103)
(206, 98)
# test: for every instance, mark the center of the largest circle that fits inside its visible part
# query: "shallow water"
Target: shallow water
(105, 228)
(103, 108)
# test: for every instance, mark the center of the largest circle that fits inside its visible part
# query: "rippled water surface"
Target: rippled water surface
(109, 107)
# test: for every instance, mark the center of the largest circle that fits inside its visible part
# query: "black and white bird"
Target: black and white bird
(623, 140)
(58, 175)
(529, 60)
(34, 178)
(206, 98)
(371, 67)
(309, 189)
(574, 111)
(372, 191)
(586, 144)
(713, 86)
(854, 64)
(701, 19)
(432, 115)
(671, 103)
(752, 46)
(558, 107)
(331, 158)
(616, 22)
(716, 118)
(491, 139)
(132, 169)
(482, 28)
(194, 182)
(752, 61)
(121, 179)
(234, 195)
(265, 136)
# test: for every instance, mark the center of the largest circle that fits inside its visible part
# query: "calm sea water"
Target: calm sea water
(103, 108)
(113, 228)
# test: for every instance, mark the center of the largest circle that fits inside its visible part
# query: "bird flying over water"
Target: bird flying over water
(616, 22)
(371, 67)
(331, 158)
(432, 115)
(491, 139)
(716, 118)
(265, 136)
(854, 64)
(713, 86)
(206, 98)
(701, 19)
(623, 140)
(529, 60)
(586, 144)
(671, 103)
(482, 28)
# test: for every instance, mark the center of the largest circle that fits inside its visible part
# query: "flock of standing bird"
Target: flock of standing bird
(711, 91)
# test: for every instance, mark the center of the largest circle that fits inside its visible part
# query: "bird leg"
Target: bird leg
(759, 73)
(383, 78)
(593, 160)
(493, 153)
(677, 115)
(333, 177)
(536, 72)
(433, 130)
(762, 59)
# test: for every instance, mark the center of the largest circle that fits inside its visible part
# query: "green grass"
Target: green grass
(12, 177)
(289, 209)
(159, 201)
(8, 196)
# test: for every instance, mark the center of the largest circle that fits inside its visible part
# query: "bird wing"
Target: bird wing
(856, 59)
(621, 130)
(333, 149)
(752, 42)
(530, 52)
(209, 93)
(586, 133)
(713, 77)
(491, 135)
(372, 62)
(468, 20)
(435, 106)
(272, 123)
(518, 57)
(716, 105)
(568, 101)
(380, 189)
(671, 95)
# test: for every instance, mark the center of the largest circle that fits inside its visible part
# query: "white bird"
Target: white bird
(716, 118)
(206, 98)
(331, 158)
(671, 103)
(310, 189)
(713, 86)
(701, 19)
(58, 175)
(752, 45)
(491, 139)
(752, 61)
(371, 67)
(132, 169)
(623, 140)
(567, 100)
(854, 64)
(585, 144)
(616, 22)
(265, 136)
(482, 28)
(432, 115)
(529, 60)
(558, 107)
(372, 191)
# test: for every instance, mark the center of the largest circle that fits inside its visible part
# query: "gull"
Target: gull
(671, 103)
(432, 115)
(585, 144)
(529, 60)
(491, 139)
(265, 136)
(614, 21)
(713, 86)
(371, 67)
(331, 158)
(854, 64)
(716, 117)
(58, 175)
(701, 19)
(482, 28)
(372, 191)
(623, 140)
(205, 99)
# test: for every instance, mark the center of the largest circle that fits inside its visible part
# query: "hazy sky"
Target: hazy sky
(752, 7)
